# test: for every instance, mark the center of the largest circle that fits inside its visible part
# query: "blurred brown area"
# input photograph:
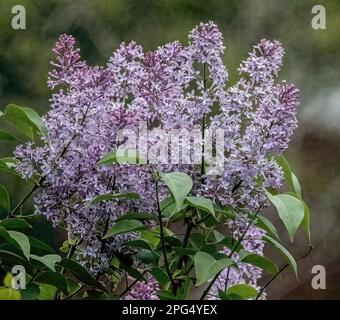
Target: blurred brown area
(311, 62)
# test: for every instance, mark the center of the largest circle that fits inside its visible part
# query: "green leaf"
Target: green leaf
(31, 292)
(133, 272)
(54, 279)
(203, 204)
(218, 236)
(173, 241)
(139, 243)
(5, 136)
(97, 295)
(179, 184)
(225, 296)
(228, 213)
(80, 273)
(283, 251)
(47, 292)
(11, 162)
(9, 294)
(26, 120)
(23, 241)
(48, 260)
(180, 251)
(197, 240)
(147, 257)
(305, 224)
(287, 172)
(136, 216)
(207, 267)
(73, 285)
(296, 185)
(151, 236)
(15, 224)
(4, 199)
(5, 235)
(165, 203)
(123, 157)
(8, 280)
(172, 211)
(166, 295)
(159, 275)
(124, 226)
(290, 209)
(110, 196)
(243, 290)
(184, 289)
(289, 176)
(258, 261)
(12, 257)
(39, 247)
(267, 226)
(230, 243)
(7, 167)
(18, 238)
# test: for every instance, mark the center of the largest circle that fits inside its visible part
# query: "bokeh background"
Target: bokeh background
(312, 62)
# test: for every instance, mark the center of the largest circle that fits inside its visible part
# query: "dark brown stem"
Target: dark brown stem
(128, 288)
(280, 271)
(69, 256)
(203, 120)
(166, 262)
(190, 226)
(20, 204)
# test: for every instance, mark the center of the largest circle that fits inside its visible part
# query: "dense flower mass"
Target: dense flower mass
(144, 290)
(174, 87)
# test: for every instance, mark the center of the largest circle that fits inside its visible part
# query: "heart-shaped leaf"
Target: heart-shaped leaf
(124, 226)
(179, 184)
(290, 209)
(207, 266)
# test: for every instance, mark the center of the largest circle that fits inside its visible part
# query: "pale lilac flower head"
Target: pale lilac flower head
(144, 290)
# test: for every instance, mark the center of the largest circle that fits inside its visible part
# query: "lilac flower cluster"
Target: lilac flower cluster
(173, 87)
(143, 290)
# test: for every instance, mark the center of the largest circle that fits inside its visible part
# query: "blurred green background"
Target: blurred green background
(312, 62)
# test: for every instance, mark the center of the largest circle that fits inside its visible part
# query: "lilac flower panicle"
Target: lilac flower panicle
(68, 60)
(144, 290)
(172, 87)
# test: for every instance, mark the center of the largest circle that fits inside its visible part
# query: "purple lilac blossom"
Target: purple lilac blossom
(172, 87)
(144, 290)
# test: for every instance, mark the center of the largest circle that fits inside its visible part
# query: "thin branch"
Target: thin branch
(281, 270)
(203, 119)
(69, 256)
(20, 204)
(206, 291)
(75, 292)
(166, 262)
(190, 226)
(128, 288)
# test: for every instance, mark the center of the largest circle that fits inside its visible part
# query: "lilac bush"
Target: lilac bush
(83, 189)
